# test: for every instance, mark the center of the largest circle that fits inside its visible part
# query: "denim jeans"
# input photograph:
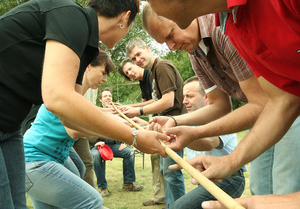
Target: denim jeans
(233, 186)
(277, 170)
(128, 165)
(12, 171)
(75, 160)
(51, 185)
(174, 180)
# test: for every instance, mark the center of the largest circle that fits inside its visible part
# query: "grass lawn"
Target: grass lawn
(129, 200)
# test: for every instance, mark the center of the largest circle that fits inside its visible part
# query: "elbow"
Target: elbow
(169, 104)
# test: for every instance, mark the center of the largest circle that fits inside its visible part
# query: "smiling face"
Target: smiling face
(106, 98)
(141, 57)
(96, 75)
(192, 97)
(132, 71)
(166, 31)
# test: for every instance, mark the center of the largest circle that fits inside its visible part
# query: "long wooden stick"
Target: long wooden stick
(212, 188)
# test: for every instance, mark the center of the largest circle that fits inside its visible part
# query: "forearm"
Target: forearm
(158, 106)
(76, 132)
(270, 127)
(203, 115)
(142, 104)
(89, 117)
(290, 201)
(238, 120)
(205, 144)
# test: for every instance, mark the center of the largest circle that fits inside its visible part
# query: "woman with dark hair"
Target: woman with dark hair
(45, 48)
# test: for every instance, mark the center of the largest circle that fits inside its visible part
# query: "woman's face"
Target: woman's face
(96, 75)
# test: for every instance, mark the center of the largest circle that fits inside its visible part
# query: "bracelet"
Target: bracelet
(141, 111)
(134, 133)
(174, 120)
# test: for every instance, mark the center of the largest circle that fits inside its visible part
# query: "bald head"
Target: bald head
(183, 12)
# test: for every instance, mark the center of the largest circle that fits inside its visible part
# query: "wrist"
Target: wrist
(141, 111)
(134, 133)
(175, 122)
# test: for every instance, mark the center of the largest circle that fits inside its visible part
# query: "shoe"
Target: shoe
(151, 202)
(132, 188)
(104, 192)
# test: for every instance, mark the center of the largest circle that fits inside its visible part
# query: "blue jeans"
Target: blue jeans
(51, 185)
(277, 170)
(233, 186)
(12, 171)
(75, 160)
(128, 165)
(174, 180)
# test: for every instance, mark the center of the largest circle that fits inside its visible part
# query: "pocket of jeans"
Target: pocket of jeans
(28, 183)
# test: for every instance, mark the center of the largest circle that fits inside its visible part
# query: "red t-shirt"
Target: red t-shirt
(266, 33)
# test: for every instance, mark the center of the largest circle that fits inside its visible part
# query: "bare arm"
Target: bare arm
(60, 70)
(219, 105)
(278, 115)
(242, 118)
(141, 104)
(164, 103)
(205, 144)
(291, 201)
(275, 120)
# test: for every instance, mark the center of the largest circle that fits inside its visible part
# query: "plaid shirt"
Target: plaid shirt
(222, 66)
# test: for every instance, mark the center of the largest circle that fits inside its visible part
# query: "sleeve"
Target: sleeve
(225, 139)
(68, 25)
(166, 78)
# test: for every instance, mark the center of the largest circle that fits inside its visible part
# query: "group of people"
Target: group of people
(54, 59)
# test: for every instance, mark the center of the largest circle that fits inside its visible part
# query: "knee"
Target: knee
(96, 156)
(96, 202)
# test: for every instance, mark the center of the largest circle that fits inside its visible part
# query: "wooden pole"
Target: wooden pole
(211, 187)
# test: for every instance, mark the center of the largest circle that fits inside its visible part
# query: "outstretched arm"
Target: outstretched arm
(60, 71)
(291, 201)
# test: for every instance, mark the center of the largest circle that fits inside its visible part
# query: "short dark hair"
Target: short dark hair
(105, 89)
(113, 8)
(103, 58)
(124, 62)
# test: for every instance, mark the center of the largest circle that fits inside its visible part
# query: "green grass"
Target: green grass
(120, 199)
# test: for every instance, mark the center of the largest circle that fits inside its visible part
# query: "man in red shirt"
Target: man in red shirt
(267, 35)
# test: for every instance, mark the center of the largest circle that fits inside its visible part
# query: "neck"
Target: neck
(141, 75)
(151, 62)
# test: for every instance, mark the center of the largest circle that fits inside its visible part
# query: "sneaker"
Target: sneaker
(151, 202)
(104, 192)
(132, 188)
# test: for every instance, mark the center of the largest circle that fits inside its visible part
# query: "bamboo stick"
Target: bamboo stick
(212, 188)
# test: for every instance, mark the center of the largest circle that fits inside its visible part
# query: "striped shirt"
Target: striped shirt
(222, 66)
